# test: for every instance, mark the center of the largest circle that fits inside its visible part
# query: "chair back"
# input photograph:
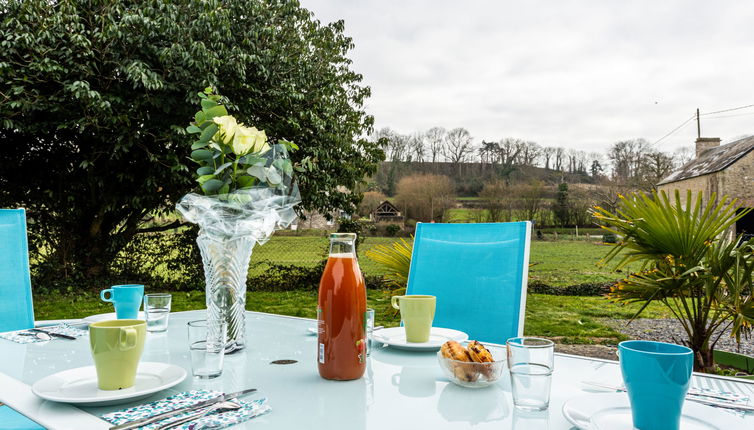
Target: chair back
(16, 309)
(478, 272)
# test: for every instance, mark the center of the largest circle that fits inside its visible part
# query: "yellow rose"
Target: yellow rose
(228, 127)
(249, 139)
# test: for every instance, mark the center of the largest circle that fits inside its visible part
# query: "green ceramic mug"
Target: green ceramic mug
(116, 348)
(417, 313)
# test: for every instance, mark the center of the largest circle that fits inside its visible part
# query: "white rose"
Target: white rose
(249, 139)
(228, 127)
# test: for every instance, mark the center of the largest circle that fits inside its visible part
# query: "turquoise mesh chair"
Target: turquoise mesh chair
(478, 273)
(16, 310)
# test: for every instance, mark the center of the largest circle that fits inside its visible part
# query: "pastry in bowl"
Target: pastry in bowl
(471, 366)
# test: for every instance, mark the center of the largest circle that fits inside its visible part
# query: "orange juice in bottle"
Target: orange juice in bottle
(341, 313)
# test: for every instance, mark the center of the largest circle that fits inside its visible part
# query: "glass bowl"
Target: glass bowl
(471, 374)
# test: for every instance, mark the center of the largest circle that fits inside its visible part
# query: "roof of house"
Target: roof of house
(386, 208)
(712, 160)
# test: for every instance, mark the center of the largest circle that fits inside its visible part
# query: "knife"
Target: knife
(52, 333)
(159, 417)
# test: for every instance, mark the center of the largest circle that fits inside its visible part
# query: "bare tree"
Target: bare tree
(627, 157)
(548, 152)
(508, 151)
(457, 148)
(416, 147)
(683, 155)
(655, 167)
(558, 159)
(488, 152)
(435, 138)
(425, 197)
(396, 144)
(530, 153)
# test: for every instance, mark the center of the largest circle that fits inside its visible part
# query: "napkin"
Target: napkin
(16, 336)
(249, 409)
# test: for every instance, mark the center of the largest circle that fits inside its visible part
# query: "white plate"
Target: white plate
(79, 386)
(612, 411)
(396, 337)
(111, 316)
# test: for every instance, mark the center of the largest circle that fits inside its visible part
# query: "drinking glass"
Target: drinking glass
(530, 361)
(207, 347)
(157, 311)
(370, 329)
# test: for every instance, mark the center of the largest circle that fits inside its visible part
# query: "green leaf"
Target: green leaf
(273, 177)
(215, 111)
(193, 129)
(201, 154)
(212, 185)
(199, 118)
(208, 133)
(204, 178)
(199, 145)
(205, 170)
(245, 181)
(221, 168)
(258, 172)
(207, 104)
(224, 189)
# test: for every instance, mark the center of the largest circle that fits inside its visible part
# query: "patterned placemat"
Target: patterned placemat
(249, 409)
(26, 336)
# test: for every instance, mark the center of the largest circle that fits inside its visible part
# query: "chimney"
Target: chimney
(705, 143)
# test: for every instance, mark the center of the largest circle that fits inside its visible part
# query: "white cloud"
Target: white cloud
(580, 74)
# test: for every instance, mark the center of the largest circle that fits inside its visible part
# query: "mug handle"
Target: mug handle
(394, 302)
(130, 338)
(102, 295)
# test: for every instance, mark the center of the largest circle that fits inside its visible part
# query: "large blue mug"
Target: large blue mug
(125, 298)
(657, 377)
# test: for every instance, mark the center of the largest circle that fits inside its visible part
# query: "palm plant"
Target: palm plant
(688, 263)
(396, 258)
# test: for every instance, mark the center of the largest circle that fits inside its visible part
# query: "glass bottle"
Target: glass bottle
(341, 312)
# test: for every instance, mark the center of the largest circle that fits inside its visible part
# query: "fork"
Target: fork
(225, 406)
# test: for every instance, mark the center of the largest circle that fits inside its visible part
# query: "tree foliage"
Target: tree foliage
(425, 197)
(95, 95)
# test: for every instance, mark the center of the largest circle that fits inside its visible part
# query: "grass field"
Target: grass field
(572, 319)
(559, 263)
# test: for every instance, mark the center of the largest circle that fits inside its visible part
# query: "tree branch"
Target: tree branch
(172, 225)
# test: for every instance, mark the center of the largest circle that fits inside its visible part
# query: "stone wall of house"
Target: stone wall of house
(738, 180)
(704, 183)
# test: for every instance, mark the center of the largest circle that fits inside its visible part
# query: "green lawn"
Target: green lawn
(560, 263)
(573, 319)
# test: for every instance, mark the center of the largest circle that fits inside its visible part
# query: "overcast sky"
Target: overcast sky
(578, 74)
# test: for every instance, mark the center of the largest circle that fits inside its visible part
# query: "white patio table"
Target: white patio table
(401, 389)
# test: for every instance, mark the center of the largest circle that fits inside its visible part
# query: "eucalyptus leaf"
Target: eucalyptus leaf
(204, 178)
(193, 129)
(208, 132)
(199, 118)
(206, 103)
(205, 170)
(201, 154)
(212, 185)
(199, 145)
(245, 181)
(215, 111)
(258, 172)
(222, 167)
(273, 177)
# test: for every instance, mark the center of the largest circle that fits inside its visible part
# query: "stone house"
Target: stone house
(724, 170)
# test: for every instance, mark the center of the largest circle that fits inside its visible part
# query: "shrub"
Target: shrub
(392, 229)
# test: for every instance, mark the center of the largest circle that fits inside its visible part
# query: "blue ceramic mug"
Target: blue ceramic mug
(125, 298)
(657, 376)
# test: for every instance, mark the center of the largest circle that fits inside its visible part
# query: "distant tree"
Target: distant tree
(488, 152)
(627, 158)
(682, 156)
(595, 169)
(457, 148)
(530, 153)
(508, 152)
(562, 209)
(548, 152)
(416, 147)
(96, 97)
(435, 140)
(656, 166)
(370, 202)
(425, 197)
(496, 203)
(396, 145)
(531, 199)
(558, 158)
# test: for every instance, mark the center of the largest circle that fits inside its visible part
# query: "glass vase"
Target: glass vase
(226, 266)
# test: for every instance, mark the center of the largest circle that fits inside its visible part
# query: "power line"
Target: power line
(727, 110)
(671, 132)
(731, 116)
